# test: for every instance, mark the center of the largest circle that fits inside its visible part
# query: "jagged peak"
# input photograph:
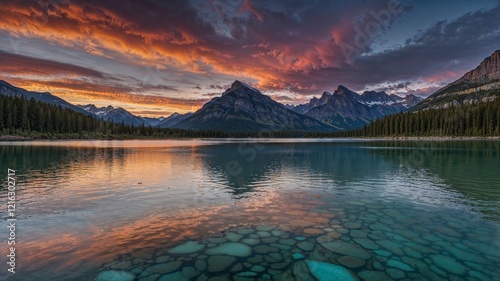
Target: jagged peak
(341, 89)
(325, 95)
(238, 85)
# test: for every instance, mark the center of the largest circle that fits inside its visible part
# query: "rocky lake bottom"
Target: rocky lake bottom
(361, 240)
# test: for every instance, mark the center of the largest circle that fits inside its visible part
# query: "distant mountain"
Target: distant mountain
(304, 108)
(9, 90)
(119, 115)
(153, 121)
(172, 120)
(244, 108)
(479, 84)
(346, 109)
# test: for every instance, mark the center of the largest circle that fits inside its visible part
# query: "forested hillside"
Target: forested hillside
(481, 119)
(22, 117)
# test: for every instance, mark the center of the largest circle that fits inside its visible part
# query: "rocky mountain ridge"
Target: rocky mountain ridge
(481, 84)
(349, 110)
(244, 108)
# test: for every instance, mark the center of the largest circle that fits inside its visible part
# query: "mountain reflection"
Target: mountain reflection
(244, 167)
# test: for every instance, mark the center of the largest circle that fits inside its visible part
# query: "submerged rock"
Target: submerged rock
(233, 237)
(346, 248)
(176, 276)
(366, 243)
(251, 241)
(115, 275)
(122, 265)
(395, 273)
(383, 253)
(305, 246)
(449, 264)
(372, 275)
(265, 228)
(263, 249)
(263, 234)
(351, 262)
(187, 248)
(200, 265)
(231, 249)
(398, 264)
(258, 268)
(247, 274)
(164, 268)
(326, 271)
(298, 256)
(220, 263)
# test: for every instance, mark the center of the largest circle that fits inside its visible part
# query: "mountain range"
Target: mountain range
(118, 115)
(244, 108)
(346, 109)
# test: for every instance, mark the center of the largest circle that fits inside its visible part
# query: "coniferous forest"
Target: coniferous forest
(476, 120)
(29, 118)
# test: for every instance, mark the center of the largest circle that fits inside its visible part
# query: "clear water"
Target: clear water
(255, 210)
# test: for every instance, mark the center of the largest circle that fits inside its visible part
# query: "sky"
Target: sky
(155, 57)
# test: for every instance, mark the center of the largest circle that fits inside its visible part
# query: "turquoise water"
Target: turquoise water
(255, 210)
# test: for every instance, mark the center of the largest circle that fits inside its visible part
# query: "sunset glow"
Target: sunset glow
(158, 57)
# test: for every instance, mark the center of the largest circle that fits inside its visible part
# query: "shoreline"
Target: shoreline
(450, 138)
(14, 138)
(7, 138)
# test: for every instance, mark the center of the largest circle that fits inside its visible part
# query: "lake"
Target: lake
(272, 209)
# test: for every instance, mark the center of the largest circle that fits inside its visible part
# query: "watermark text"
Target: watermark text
(11, 220)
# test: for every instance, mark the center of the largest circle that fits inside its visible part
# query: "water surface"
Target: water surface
(256, 209)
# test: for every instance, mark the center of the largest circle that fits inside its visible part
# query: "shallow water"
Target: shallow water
(255, 210)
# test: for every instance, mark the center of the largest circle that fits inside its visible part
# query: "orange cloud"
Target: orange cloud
(273, 46)
(113, 32)
(15, 64)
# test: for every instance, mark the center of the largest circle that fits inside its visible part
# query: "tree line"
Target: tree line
(22, 117)
(30, 118)
(475, 120)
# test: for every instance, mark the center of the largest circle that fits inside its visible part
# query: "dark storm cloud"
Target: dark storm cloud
(274, 45)
(445, 51)
(18, 64)
(447, 47)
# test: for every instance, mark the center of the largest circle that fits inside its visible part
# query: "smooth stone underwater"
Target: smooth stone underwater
(328, 272)
(231, 249)
(115, 275)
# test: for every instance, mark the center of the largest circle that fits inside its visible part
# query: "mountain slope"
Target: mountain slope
(153, 121)
(304, 108)
(479, 84)
(348, 110)
(243, 108)
(12, 91)
(173, 119)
